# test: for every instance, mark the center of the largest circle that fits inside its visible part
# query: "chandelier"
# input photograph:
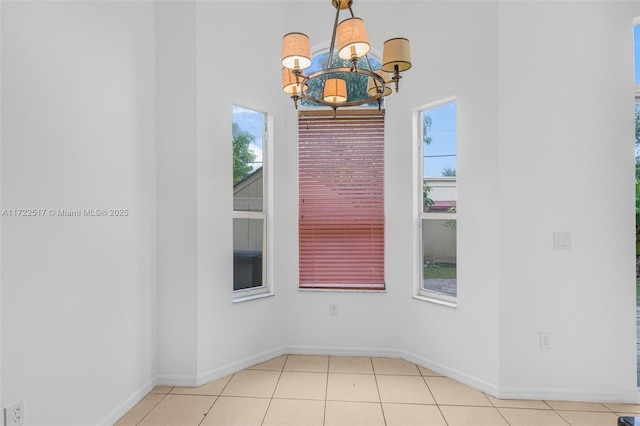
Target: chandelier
(350, 38)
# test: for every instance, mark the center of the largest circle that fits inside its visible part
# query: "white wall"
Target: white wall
(78, 133)
(566, 165)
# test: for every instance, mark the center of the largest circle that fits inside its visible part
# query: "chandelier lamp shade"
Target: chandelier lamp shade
(335, 91)
(351, 43)
(373, 87)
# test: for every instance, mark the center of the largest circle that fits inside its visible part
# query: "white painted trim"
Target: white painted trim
(268, 207)
(128, 404)
(435, 104)
(248, 215)
(439, 216)
(177, 380)
(340, 290)
(234, 367)
(416, 152)
(442, 299)
(342, 351)
(252, 297)
(459, 376)
(568, 394)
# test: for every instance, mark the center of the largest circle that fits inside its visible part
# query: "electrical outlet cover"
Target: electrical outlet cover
(14, 414)
(545, 340)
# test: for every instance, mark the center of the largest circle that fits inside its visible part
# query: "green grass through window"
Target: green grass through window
(439, 270)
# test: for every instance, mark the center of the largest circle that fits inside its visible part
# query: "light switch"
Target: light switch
(562, 240)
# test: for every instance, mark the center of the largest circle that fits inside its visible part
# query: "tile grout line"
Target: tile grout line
(492, 405)
(204, 417)
(496, 408)
(216, 399)
(155, 405)
(424, 379)
(326, 393)
(384, 418)
(375, 378)
(563, 419)
(274, 390)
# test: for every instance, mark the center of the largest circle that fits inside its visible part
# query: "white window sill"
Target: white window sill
(252, 297)
(436, 301)
(338, 290)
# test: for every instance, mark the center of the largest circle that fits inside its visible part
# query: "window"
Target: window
(636, 60)
(437, 194)
(356, 83)
(341, 202)
(249, 212)
(636, 51)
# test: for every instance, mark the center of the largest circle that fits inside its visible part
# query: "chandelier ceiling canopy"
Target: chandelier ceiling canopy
(350, 42)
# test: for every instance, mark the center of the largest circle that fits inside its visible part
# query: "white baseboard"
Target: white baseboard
(551, 394)
(459, 376)
(341, 351)
(128, 404)
(234, 367)
(555, 394)
(183, 380)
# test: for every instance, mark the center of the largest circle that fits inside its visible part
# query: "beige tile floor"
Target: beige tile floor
(301, 390)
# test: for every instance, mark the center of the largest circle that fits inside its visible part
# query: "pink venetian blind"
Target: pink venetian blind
(341, 205)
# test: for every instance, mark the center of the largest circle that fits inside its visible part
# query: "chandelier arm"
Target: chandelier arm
(375, 81)
(354, 60)
(396, 76)
(333, 36)
(368, 62)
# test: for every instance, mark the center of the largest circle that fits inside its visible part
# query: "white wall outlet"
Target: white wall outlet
(14, 414)
(333, 309)
(545, 340)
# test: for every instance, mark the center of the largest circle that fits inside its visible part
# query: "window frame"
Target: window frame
(266, 289)
(419, 214)
(636, 23)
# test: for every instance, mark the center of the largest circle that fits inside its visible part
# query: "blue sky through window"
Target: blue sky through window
(252, 122)
(440, 154)
(636, 50)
